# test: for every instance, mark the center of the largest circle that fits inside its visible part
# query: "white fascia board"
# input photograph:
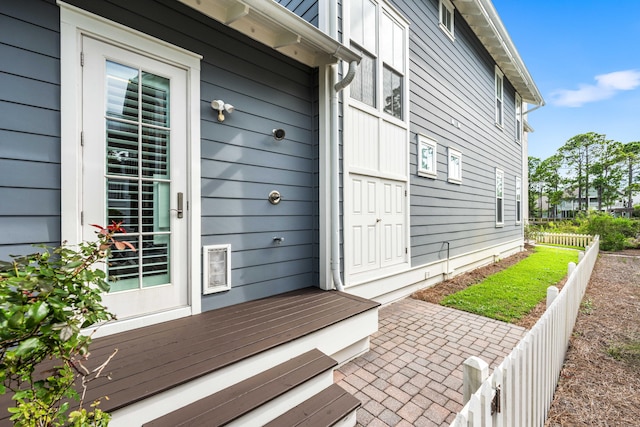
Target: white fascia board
(488, 27)
(277, 27)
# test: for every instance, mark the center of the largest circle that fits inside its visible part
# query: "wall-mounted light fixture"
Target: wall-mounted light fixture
(278, 134)
(218, 104)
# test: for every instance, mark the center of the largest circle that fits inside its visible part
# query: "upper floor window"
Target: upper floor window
(499, 197)
(499, 92)
(380, 78)
(363, 37)
(518, 118)
(446, 17)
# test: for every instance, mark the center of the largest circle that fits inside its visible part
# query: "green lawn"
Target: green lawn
(513, 292)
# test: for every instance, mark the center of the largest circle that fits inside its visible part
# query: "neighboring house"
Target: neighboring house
(370, 146)
(571, 204)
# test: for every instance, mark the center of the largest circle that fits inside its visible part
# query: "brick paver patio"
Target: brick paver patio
(412, 376)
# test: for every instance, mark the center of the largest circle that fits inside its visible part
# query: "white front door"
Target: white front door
(134, 171)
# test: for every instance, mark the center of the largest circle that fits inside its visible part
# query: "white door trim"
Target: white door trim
(75, 22)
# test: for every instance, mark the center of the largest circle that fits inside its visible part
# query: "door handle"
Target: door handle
(180, 209)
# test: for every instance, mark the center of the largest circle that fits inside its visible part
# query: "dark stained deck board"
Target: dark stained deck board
(229, 317)
(233, 402)
(246, 323)
(225, 317)
(322, 410)
(156, 358)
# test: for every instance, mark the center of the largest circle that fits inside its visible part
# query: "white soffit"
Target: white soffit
(486, 24)
(277, 27)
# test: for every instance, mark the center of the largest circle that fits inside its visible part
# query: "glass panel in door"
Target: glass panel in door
(137, 123)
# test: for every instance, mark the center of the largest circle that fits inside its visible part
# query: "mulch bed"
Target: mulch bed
(595, 388)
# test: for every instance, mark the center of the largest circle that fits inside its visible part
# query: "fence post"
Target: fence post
(474, 372)
(571, 267)
(552, 293)
(580, 256)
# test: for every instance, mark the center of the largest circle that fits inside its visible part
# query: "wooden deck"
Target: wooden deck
(157, 358)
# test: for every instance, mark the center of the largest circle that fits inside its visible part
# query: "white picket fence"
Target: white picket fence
(520, 390)
(565, 239)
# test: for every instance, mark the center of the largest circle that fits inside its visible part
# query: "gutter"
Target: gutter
(278, 15)
(534, 108)
(335, 170)
(334, 161)
(273, 25)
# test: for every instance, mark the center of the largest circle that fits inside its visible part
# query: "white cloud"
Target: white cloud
(607, 85)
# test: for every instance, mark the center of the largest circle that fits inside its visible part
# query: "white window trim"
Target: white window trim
(499, 77)
(74, 23)
(518, 129)
(450, 154)
(425, 141)
(449, 6)
(518, 200)
(499, 172)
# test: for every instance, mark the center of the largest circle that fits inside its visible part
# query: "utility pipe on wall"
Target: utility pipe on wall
(335, 170)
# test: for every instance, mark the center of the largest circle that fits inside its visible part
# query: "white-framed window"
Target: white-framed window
(381, 36)
(455, 166)
(499, 197)
(427, 156)
(518, 200)
(518, 118)
(446, 18)
(499, 97)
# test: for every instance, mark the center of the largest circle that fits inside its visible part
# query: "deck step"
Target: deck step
(227, 405)
(327, 408)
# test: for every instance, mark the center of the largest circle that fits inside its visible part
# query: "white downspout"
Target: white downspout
(335, 170)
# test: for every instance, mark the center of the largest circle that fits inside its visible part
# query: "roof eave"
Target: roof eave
(488, 27)
(277, 27)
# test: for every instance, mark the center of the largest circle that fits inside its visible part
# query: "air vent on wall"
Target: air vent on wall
(216, 265)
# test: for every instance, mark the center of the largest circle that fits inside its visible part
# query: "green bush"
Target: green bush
(614, 232)
(46, 299)
(559, 226)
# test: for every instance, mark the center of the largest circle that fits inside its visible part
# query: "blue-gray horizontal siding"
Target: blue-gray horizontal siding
(307, 9)
(240, 161)
(29, 126)
(455, 80)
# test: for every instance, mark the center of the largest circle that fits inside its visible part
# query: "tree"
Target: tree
(549, 175)
(534, 183)
(576, 154)
(631, 161)
(607, 171)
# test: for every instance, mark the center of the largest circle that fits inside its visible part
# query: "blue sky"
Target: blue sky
(585, 59)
